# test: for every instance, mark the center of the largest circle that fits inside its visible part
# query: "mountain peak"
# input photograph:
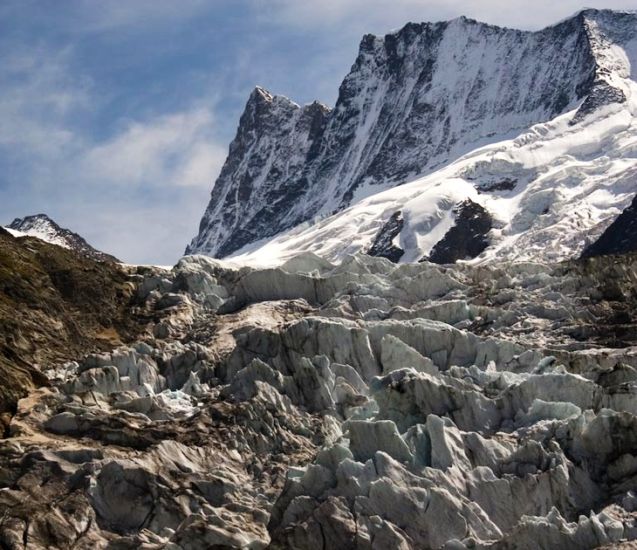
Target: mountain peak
(44, 228)
(415, 99)
(261, 96)
(260, 93)
(31, 219)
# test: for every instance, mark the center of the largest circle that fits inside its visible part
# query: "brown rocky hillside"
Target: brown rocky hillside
(55, 306)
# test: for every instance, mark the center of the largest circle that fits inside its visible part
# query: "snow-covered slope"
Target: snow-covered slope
(551, 191)
(44, 228)
(415, 101)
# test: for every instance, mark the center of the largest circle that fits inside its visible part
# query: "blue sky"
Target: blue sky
(116, 115)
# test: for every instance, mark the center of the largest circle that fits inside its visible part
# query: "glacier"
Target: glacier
(359, 405)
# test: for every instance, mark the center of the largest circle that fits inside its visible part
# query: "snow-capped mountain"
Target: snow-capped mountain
(550, 193)
(536, 128)
(44, 228)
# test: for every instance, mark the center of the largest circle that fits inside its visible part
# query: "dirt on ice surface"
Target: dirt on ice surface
(358, 405)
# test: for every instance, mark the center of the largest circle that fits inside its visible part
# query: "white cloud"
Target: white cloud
(119, 13)
(91, 16)
(380, 16)
(203, 164)
(138, 194)
(39, 93)
(178, 149)
(43, 97)
(144, 230)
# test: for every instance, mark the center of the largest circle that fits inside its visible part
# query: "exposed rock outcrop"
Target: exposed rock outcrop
(468, 236)
(55, 305)
(619, 238)
(383, 245)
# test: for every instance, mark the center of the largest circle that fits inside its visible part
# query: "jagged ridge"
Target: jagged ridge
(413, 100)
(43, 227)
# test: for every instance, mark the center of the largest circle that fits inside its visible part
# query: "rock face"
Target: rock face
(413, 101)
(383, 245)
(619, 238)
(358, 405)
(468, 236)
(264, 171)
(43, 227)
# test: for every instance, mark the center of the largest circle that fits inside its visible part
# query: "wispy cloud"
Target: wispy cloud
(39, 96)
(178, 149)
(90, 16)
(109, 14)
(138, 193)
(383, 15)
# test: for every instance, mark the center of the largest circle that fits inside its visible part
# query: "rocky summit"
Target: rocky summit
(358, 405)
(535, 128)
(42, 227)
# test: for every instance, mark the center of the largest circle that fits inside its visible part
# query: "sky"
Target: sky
(116, 115)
